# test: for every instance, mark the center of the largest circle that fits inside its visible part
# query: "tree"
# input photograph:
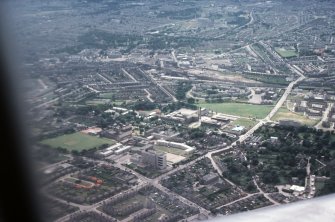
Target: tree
(254, 162)
(191, 100)
(251, 187)
(270, 177)
(329, 186)
(75, 152)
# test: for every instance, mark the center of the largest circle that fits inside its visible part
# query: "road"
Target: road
(174, 57)
(156, 182)
(243, 198)
(41, 82)
(130, 76)
(90, 88)
(160, 86)
(218, 169)
(149, 95)
(104, 78)
(325, 116)
(266, 195)
(92, 207)
(253, 129)
(283, 98)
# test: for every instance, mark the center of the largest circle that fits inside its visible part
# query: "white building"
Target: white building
(154, 158)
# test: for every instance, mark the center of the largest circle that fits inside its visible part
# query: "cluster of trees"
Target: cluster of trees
(197, 133)
(280, 80)
(329, 186)
(178, 105)
(182, 89)
(144, 105)
(293, 146)
(238, 172)
(46, 154)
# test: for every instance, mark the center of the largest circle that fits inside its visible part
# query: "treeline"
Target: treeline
(182, 89)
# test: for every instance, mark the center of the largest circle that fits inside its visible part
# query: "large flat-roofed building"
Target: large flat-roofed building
(182, 116)
(118, 134)
(154, 158)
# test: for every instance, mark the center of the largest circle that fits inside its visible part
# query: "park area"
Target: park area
(247, 123)
(286, 53)
(77, 141)
(239, 109)
(285, 114)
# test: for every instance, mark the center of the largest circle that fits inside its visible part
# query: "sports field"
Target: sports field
(286, 53)
(239, 109)
(77, 141)
(285, 114)
(247, 123)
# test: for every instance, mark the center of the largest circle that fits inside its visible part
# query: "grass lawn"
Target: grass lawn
(285, 114)
(239, 109)
(94, 102)
(107, 95)
(281, 80)
(248, 123)
(118, 102)
(170, 150)
(286, 53)
(77, 141)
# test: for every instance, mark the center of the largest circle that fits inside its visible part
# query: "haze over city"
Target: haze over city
(179, 110)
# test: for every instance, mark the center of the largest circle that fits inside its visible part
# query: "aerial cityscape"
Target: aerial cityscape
(177, 110)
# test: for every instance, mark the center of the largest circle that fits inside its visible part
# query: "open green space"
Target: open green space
(46, 155)
(286, 53)
(93, 102)
(248, 123)
(271, 79)
(108, 95)
(285, 114)
(77, 141)
(239, 109)
(172, 150)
